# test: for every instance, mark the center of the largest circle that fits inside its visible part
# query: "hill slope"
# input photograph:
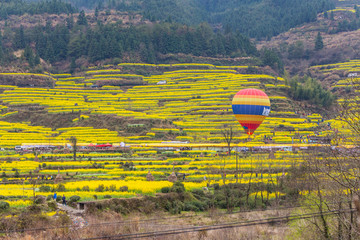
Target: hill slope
(259, 19)
(297, 46)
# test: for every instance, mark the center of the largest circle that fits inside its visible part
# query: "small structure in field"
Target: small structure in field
(271, 155)
(58, 178)
(149, 177)
(172, 177)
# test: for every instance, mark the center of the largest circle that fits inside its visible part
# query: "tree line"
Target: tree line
(147, 42)
(257, 19)
(309, 89)
(20, 7)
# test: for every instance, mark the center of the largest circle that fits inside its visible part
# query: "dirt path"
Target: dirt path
(71, 211)
(75, 215)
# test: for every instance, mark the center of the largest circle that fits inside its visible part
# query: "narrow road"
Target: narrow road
(75, 215)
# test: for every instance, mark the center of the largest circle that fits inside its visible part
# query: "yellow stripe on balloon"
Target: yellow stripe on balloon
(251, 101)
(246, 118)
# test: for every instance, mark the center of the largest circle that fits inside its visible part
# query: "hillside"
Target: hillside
(136, 36)
(297, 45)
(113, 134)
(186, 119)
(260, 19)
(187, 107)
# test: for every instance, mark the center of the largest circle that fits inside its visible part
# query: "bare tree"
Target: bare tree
(333, 172)
(228, 134)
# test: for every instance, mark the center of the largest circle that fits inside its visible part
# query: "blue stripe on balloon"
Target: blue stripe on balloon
(249, 109)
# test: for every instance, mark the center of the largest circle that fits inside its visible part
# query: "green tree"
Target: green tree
(96, 12)
(29, 56)
(72, 65)
(310, 90)
(357, 11)
(20, 40)
(36, 59)
(49, 51)
(319, 44)
(82, 18)
(2, 55)
(70, 22)
(271, 57)
(73, 141)
(296, 50)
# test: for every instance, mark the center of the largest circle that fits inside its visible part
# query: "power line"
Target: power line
(140, 220)
(220, 226)
(158, 219)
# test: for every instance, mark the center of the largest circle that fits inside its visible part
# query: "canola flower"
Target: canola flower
(197, 108)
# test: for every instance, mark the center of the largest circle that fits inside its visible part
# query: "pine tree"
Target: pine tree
(319, 44)
(1, 49)
(326, 14)
(357, 11)
(72, 65)
(29, 55)
(49, 52)
(96, 12)
(20, 41)
(70, 22)
(82, 18)
(37, 59)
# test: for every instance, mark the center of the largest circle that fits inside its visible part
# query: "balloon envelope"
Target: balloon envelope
(251, 107)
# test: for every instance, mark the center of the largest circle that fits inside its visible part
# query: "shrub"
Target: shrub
(216, 186)
(4, 205)
(175, 207)
(2, 197)
(148, 207)
(86, 188)
(178, 187)
(195, 206)
(100, 188)
(34, 209)
(165, 190)
(124, 189)
(61, 188)
(198, 192)
(112, 187)
(121, 209)
(74, 198)
(107, 196)
(40, 199)
(45, 188)
(52, 205)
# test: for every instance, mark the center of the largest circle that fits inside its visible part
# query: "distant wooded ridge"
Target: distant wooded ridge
(254, 18)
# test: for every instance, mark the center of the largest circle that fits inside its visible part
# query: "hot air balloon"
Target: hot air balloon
(251, 107)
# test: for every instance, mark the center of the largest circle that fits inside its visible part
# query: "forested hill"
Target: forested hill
(254, 18)
(145, 43)
(20, 7)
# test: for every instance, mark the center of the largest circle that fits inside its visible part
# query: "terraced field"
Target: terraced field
(190, 104)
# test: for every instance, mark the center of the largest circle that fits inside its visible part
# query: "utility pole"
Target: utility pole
(237, 167)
